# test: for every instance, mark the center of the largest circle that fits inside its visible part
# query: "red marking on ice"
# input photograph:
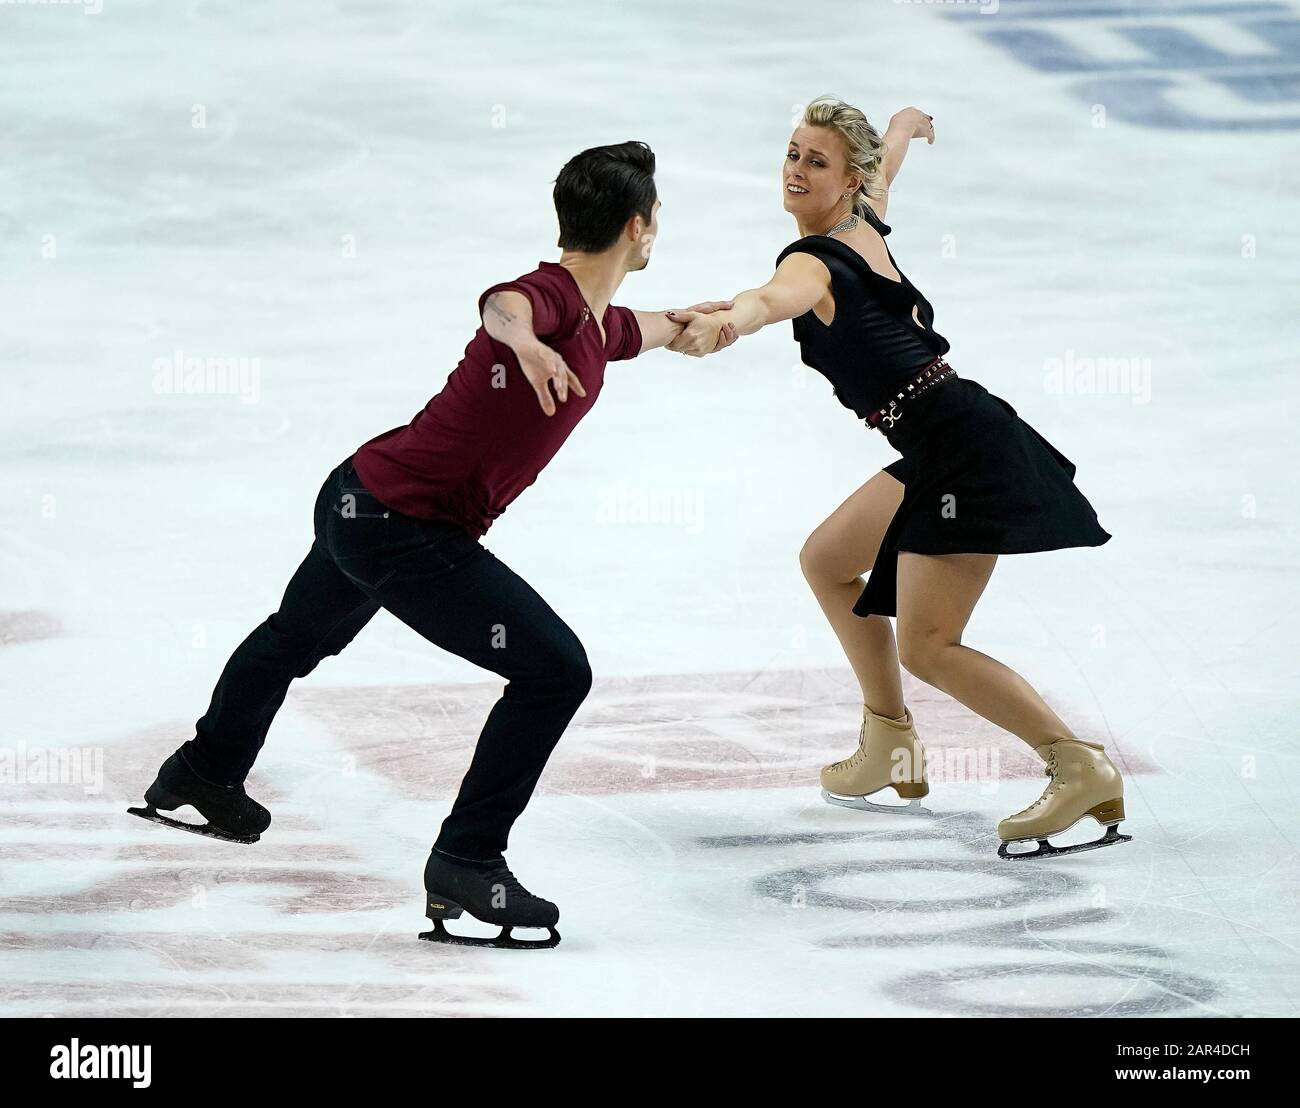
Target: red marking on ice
(244, 949)
(129, 766)
(773, 729)
(471, 996)
(105, 820)
(212, 963)
(101, 852)
(717, 731)
(288, 890)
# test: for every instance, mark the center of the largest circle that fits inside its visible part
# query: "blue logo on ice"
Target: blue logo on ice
(1174, 64)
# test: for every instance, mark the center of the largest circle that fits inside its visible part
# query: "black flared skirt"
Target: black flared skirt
(977, 480)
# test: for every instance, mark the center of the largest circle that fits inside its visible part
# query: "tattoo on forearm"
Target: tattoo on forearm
(502, 313)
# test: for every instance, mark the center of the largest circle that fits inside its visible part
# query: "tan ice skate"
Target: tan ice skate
(1083, 783)
(889, 755)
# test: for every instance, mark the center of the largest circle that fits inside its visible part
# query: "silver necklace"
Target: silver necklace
(845, 224)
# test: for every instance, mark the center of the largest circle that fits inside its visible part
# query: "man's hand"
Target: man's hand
(660, 328)
(544, 367)
(701, 334)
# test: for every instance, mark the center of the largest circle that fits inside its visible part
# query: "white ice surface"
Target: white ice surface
(145, 534)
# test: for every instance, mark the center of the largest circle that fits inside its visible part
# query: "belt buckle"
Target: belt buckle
(892, 416)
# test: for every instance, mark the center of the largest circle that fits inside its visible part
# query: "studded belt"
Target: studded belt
(935, 373)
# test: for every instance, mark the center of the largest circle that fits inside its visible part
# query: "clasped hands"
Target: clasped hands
(704, 332)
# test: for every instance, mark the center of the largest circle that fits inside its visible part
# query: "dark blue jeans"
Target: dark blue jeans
(441, 582)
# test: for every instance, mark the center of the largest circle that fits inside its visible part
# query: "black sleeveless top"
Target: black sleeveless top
(873, 347)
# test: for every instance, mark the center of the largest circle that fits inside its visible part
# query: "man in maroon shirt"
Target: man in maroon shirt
(397, 527)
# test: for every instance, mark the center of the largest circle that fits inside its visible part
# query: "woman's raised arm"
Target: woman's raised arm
(903, 127)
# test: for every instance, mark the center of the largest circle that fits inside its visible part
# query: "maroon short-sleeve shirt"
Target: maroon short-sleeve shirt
(484, 438)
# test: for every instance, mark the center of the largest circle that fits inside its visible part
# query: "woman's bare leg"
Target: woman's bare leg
(833, 559)
(936, 595)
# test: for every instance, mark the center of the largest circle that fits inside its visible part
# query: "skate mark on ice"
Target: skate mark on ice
(1023, 918)
(811, 879)
(812, 838)
(939, 990)
(1001, 934)
(113, 823)
(280, 854)
(245, 950)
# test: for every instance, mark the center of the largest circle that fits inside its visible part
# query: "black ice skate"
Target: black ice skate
(488, 892)
(230, 812)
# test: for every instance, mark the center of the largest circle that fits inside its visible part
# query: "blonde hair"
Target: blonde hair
(866, 149)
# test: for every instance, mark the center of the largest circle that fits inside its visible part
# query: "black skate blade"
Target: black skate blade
(1046, 850)
(503, 941)
(913, 807)
(151, 813)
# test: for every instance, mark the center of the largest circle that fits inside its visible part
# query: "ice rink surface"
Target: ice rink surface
(1108, 229)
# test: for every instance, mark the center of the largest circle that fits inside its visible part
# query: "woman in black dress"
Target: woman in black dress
(974, 481)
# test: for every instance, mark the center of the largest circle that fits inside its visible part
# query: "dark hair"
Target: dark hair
(599, 190)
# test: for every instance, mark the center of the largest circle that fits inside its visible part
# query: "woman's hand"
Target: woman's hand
(544, 367)
(704, 333)
(660, 328)
(914, 123)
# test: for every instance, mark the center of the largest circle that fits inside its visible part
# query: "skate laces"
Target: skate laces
(1050, 771)
(500, 875)
(854, 759)
(851, 762)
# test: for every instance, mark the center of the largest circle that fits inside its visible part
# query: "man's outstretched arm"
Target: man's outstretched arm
(508, 319)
